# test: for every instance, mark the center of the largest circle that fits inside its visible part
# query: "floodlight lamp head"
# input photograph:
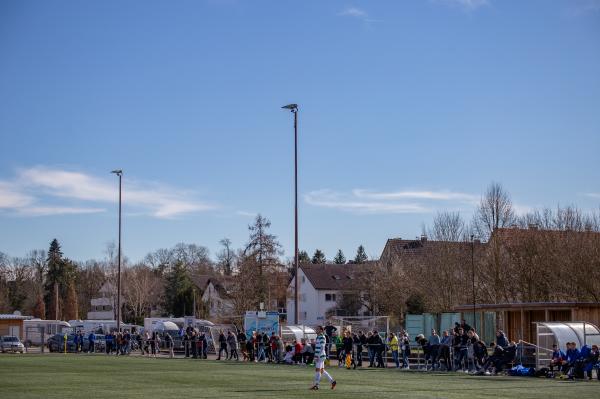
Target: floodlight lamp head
(117, 172)
(291, 107)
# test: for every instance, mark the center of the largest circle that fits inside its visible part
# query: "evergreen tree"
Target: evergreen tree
(263, 250)
(60, 275)
(179, 293)
(318, 257)
(339, 259)
(361, 255)
(54, 277)
(303, 257)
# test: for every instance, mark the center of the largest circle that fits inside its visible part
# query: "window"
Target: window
(330, 298)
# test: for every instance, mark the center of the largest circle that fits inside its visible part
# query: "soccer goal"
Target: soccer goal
(355, 324)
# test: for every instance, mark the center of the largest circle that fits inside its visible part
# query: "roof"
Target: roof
(14, 317)
(508, 234)
(526, 306)
(336, 277)
(419, 247)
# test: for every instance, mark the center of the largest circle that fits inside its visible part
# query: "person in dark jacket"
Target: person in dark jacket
(222, 345)
(203, 343)
(347, 345)
(194, 344)
(495, 358)
(371, 348)
(501, 339)
(359, 346)
(591, 361)
(379, 348)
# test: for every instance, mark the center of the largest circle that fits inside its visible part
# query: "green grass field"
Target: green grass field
(98, 376)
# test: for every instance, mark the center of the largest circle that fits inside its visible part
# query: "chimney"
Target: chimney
(423, 237)
(532, 226)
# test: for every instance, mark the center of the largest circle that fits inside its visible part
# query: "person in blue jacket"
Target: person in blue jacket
(573, 355)
(91, 342)
(558, 359)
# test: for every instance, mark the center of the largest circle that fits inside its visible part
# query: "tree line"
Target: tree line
(166, 282)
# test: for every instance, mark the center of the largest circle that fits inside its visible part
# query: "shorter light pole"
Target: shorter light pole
(119, 173)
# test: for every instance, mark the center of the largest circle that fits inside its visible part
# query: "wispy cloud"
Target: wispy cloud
(376, 202)
(29, 192)
(584, 7)
(593, 195)
(246, 214)
(417, 195)
(468, 5)
(353, 12)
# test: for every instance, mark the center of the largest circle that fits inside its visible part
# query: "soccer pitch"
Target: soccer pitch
(98, 376)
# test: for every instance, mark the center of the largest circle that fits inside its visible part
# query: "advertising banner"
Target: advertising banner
(264, 322)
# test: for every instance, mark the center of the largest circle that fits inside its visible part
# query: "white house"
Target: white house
(320, 287)
(218, 298)
(104, 307)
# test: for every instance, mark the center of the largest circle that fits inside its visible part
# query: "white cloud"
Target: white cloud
(376, 202)
(246, 213)
(55, 210)
(353, 12)
(593, 195)
(11, 198)
(33, 185)
(468, 5)
(418, 195)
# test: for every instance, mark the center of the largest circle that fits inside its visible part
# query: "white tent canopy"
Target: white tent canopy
(559, 333)
(290, 333)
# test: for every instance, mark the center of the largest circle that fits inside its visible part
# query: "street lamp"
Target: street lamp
(294, 109)
(119, 173)
(473, 278)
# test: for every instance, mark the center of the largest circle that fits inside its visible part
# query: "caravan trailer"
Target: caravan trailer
(34, 328)
(99, 326)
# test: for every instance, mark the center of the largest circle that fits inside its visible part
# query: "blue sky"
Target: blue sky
(406, 108)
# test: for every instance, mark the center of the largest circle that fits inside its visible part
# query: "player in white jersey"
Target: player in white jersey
(320, 356)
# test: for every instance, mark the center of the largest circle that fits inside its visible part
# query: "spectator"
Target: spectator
(379, 349)
(280, 349)
(169, 344)
(260, 345)
(501, 339)
(371, 348)
(194, 343)
(393, 343)
(558, 359)
(222, 345)
(273, 348)
(308, 353)
(591, 362)
(241, 337)
(434, 347)
(203, 342)
(347, 346)
(466, 328)
(444, 350)
(405, 346)
(460, 344)
(232, 343)
(91, 342)
(359, 348)
(329, 332)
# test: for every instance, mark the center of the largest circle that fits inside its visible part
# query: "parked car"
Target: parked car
(10, 343)
(56, 343)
